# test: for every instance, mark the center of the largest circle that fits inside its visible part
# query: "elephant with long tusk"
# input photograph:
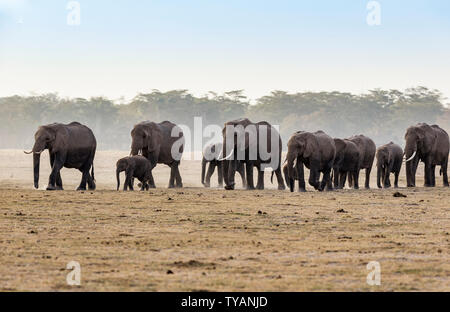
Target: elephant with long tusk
(254, 145)
(70, 146)
(429, 144)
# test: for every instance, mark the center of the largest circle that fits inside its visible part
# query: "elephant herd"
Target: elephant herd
(331, 161)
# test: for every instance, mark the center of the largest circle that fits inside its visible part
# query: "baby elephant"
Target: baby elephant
(135, 167)
(389, 159)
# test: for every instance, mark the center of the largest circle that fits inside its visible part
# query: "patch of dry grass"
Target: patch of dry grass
(220, 241)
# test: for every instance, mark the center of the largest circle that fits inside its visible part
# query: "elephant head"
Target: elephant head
(301, 146)
(383, 160)
(146, 138)
(46, 137)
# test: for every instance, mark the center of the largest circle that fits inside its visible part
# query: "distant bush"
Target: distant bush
(380, 114)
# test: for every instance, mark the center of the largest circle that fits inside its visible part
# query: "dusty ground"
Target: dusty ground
(215, 240)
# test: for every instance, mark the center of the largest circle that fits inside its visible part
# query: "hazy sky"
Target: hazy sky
(123, 47)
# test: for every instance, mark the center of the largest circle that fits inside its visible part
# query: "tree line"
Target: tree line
(382, 115)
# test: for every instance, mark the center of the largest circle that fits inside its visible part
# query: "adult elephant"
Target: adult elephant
(317, 152)
(212, 155)
(161, 143)
(429, 144)
(346, 163)
(255, 145)
(389, 160)
(70, 146)
(367, 150)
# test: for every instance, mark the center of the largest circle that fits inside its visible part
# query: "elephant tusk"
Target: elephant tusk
(412, 157)
(226, 158)
(37, 153)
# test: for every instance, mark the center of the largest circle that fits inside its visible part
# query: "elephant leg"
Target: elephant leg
(220, 174)
(433, 176)
(229, 172)
(397, 173)
(249, 171)
(367, 184)
(91, 183)
(336, 177)
(59, 184)
(355, 176)
(84, 179)
(342, 179)
(444, 173)
(327, 185)
(260, 184)
(57, 166)
(387, 180)
(143, 184)
(281, 185)
(241, 170)
(427, 177)
(314, 178)
(172, 176)
(301, 177)
(178, 180)
(151, 181)
(414, 166)
(211, 168)
(129, 180)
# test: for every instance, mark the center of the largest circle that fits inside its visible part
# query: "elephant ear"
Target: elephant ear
(61, 140)
(307, 142)
(154, 138)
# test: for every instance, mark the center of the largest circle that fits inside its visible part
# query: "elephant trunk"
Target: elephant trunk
(379, 175)
(410, 154)
(36, 165)
(135, 148)
(118, 178)
(290, 170)
(229, 166)
(38, 148)
(204, 162)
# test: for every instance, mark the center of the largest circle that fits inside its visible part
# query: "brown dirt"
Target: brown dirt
(216, 240)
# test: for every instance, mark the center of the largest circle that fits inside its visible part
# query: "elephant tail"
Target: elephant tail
(271, 178)
(440, 172)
